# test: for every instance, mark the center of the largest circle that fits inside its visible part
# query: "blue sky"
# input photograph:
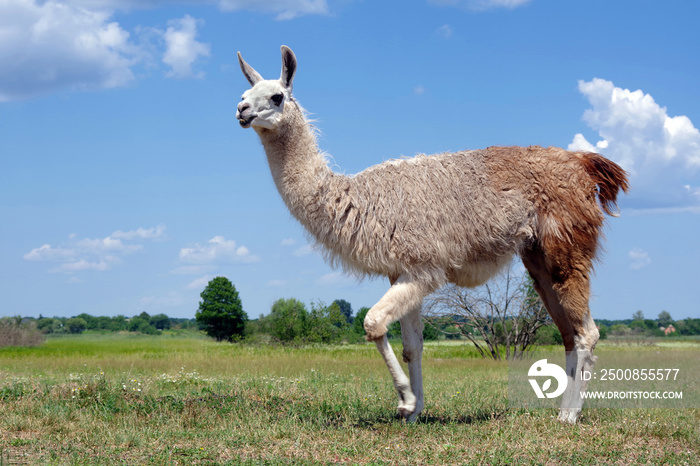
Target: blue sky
(126, 183)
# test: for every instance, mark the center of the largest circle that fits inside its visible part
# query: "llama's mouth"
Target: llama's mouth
(247, 122)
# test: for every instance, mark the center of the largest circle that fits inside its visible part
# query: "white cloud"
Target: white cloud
(98, 254)
(284, 9)
(46, 252)
(52, 45)
(444, 31)
(217, 250)
(56, 45)
(83, 264)
(276, 283)
(481, 4)
(288, 242)
(141, 233)
(182, 50)
(639, 257)
(303, 251)
(104, 245)
(336, 279)
(660, 152)
(200, 283)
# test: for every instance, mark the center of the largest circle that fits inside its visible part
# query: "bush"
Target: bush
(603, 330)
(548, 335)
(15, 332)
(142, 325)
(76, 325)
(326, 324)
(287, 320)
(49, 325)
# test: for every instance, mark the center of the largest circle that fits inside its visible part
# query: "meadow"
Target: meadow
(183, 399)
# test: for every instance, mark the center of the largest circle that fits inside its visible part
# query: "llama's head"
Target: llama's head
(263, 104)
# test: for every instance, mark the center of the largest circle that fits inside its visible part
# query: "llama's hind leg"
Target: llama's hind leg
(403, 298)
(412, 336)
(565, 293)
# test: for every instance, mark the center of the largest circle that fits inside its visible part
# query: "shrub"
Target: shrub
(15, 332)
(548, 335)
(288, 320)
(76, 325)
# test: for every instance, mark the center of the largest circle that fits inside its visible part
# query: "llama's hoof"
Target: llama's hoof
(406, 413)
(568, 416)
(407, 407)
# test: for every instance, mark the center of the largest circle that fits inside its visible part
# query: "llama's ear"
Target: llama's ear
(250, 74)
(289, 67)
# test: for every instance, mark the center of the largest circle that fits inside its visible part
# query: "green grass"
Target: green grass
(179, 399)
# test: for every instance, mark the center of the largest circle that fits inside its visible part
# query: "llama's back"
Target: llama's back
(460, 216)
(438, 215)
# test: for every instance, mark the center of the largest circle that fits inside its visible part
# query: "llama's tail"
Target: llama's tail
(608, 176)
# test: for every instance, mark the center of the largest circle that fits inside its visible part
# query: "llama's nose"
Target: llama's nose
(242, 107)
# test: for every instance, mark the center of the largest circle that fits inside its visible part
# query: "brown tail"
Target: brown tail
(608, 176)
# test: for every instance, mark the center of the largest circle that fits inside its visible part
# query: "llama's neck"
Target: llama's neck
(299, 170)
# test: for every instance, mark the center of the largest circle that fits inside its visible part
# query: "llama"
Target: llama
(454, 217)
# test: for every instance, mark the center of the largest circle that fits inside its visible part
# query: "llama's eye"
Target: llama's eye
(277, 99)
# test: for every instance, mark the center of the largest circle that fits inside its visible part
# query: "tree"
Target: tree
(288, 320)
(326, 324)
(664, 319)
(160, 321)
(48, 325)
(358, 324)
(118, 324)
(549, 335)
(639, 315)
(345, 308)
(504, 313)
(220, 312)
(76, 325)
(90, 321)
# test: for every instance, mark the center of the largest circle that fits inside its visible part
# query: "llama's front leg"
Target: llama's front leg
(412, 336)
(407, 400)
(403, 297)
(577, 362)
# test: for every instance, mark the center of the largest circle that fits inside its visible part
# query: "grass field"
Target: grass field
(180, 399)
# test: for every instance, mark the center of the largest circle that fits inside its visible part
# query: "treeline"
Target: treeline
(663, 326)
(291, 322)
(141, 323)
